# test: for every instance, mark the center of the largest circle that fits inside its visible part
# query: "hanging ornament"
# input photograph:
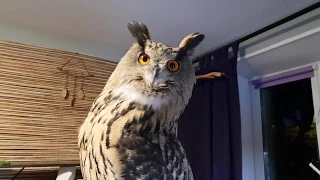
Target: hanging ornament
(65, 92)
(73, 99)
(80, 92)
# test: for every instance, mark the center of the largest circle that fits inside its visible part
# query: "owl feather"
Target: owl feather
(131, 129)
(139, 31)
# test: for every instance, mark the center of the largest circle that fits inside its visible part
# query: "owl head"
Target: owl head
(155, 74)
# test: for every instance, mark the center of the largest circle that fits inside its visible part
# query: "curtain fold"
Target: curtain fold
(210, 127)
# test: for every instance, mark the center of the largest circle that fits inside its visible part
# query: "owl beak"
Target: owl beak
(153, 81)
(155, 76)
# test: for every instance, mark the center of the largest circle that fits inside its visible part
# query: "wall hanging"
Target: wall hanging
(76, 94)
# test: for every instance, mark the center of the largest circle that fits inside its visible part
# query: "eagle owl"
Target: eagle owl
(131, 129)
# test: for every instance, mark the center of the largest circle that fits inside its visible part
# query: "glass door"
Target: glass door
(289, 132)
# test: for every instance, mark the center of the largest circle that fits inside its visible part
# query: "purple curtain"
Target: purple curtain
(210, 127)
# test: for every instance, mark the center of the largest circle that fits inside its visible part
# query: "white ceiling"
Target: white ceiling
(104, 21)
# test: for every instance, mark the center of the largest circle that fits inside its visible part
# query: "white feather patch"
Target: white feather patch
(131, 94)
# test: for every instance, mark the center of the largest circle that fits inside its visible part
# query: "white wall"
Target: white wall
(63, 43)
(246, 129)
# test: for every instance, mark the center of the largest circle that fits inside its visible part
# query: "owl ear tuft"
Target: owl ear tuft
(139, 31)
(191, 41)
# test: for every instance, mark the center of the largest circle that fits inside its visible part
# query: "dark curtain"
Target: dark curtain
(210, 127)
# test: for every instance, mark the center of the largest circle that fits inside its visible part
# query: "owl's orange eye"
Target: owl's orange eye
(144, 59)
(173, 65)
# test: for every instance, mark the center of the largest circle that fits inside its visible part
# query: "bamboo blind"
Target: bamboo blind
(38, 126)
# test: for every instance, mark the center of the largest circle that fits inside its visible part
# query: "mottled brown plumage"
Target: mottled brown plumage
(130, 131)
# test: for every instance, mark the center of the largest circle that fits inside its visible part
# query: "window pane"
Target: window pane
(289, 134)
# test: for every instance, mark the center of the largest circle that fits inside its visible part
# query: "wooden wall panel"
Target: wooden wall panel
(38, 126)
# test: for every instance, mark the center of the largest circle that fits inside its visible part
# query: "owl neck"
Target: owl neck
(144, 120)
(129, 113)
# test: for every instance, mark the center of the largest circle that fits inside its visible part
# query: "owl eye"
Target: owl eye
(144, 59)
(173, 65)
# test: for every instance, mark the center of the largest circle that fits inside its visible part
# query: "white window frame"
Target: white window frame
(257, 134)
(257, 120)
(315, 82)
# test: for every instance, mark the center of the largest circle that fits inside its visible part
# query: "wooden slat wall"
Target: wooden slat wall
(37, 126)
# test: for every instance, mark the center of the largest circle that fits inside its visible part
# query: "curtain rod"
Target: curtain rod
(271, 26)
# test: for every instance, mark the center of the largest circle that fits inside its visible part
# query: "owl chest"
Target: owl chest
(155, 157)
